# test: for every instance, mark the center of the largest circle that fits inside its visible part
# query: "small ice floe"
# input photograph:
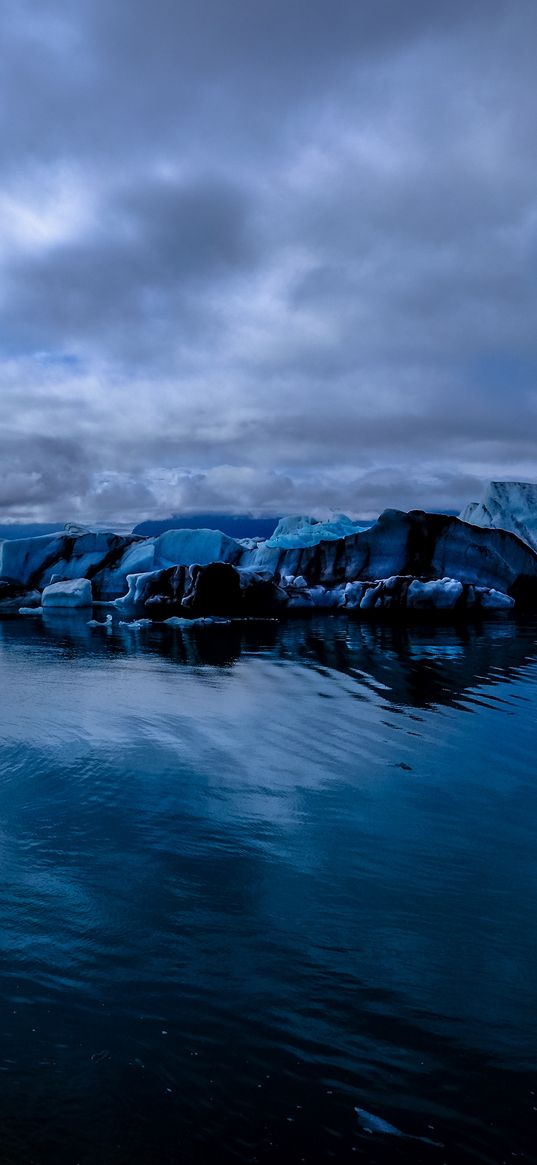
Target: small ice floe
(375, 1124)
(30, 610)
(97, 622)
(137, 624)
(179, 621)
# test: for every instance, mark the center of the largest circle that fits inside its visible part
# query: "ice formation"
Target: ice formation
(74, 592)
(440, 593)
(293, 532)
(99, 623)
(507, 505)
(413, 561)
(184, 547)
(36, 562)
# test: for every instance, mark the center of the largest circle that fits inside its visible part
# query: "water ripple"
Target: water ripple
(255, 879)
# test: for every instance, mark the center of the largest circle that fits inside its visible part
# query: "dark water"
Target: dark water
(252, 877)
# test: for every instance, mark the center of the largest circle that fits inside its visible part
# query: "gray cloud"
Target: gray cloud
(138, 282)
(265, 257)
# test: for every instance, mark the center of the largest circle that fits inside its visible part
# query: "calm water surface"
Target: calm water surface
(254, 876)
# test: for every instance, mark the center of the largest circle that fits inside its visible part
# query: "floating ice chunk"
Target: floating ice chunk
(30, 610)
(97, 623)
(180, 621)
(492, 600)
(74, 592)
(376, 1124)
(440, 593)
(136, 624)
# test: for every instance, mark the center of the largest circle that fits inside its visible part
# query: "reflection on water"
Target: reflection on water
(257, 875)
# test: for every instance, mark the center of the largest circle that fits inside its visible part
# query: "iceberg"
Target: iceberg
(137, 558)
(23, 559)
(293, 532)
(507, 505)
(491, 600)
(421, 545)
(412, 561)
(74, 592)
(36, 562)
(185, 547)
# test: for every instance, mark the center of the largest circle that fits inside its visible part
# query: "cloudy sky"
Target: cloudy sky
(265, 256)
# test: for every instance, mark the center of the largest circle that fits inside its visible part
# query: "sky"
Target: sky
(265, 256)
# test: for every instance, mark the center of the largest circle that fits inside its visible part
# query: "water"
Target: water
(255, 876)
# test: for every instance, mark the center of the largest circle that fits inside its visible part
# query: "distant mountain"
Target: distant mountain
(234, 525)
(29, 529)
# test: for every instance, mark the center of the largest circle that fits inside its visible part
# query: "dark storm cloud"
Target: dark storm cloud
(267, 256)
(40, 471)
(134, 282)
(87, 73)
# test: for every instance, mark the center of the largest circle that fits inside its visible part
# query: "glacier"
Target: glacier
(416, 562)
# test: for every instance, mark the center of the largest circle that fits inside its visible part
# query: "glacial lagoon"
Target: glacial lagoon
(256, 876)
